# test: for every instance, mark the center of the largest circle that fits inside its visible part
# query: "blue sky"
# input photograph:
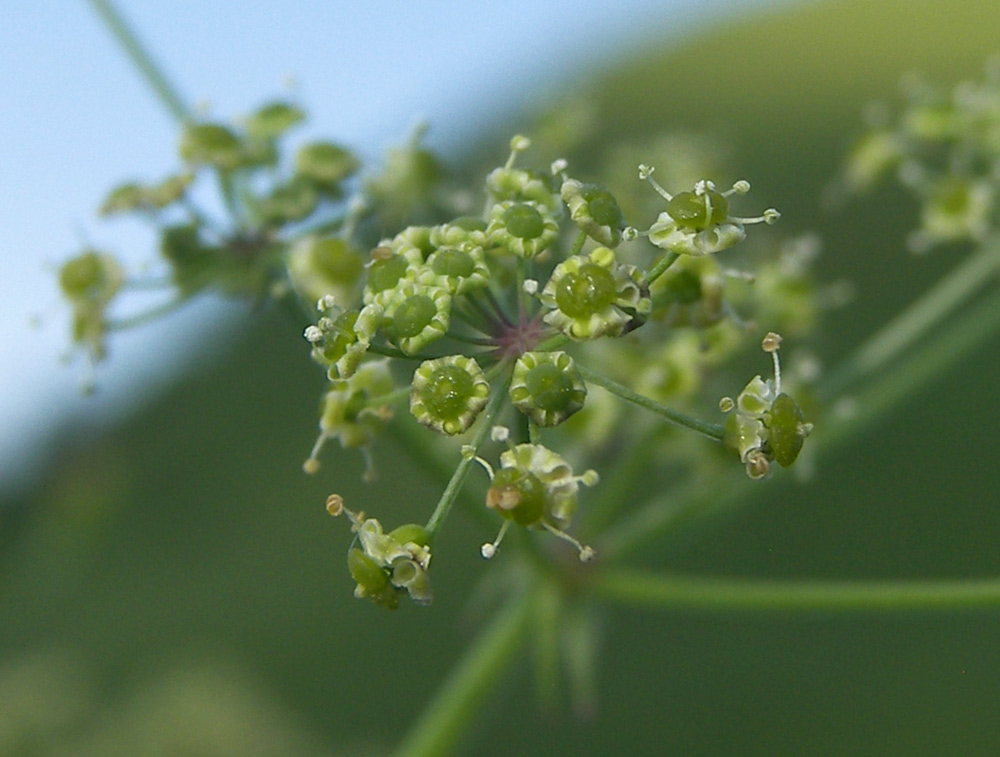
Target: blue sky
(76, 120)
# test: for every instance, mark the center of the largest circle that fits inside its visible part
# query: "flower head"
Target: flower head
(699, 222)
(386, 565)
(593, 295)
(765, 424)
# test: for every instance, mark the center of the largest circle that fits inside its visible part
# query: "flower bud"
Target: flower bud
(547, 387)
(593, 295)
(448, 393)
(595, 210)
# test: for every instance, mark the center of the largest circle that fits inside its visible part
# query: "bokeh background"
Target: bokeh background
(170, 583)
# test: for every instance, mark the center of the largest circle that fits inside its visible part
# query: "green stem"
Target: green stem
(452, 710)
(634, 587)
(147, 316)
(660, 267)
(412, 439)
(141, 59)
(887, 343)
(578, 243)
(454, 486)
(909, 375)
(711, 430)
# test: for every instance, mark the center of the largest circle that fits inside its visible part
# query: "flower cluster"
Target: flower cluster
(943, 146)
(485, 309)
(465, 316)
(765, 424)
(288, 229)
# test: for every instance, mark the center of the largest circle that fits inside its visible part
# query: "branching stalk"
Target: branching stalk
(462, 471)
(634, 587)
(141, 59)
(452, 710)
(711, 430)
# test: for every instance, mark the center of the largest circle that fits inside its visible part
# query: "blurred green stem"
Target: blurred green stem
(636, 587)
(452, 710)
(976, 271)
(141, 59)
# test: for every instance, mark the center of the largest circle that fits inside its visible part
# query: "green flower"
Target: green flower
(957, 209)
(547, 387)
(325, 165)
(595, 210)
(448, 393)
(691, 292)
(385, 566)
(325, 265)
(593, 295)
(416, 315)
(698, 222)
(386, 270)
(90, 281)
(524, 228)
(535, 487)
(347, 412)
(341, 340)
(212, 145)
(764, 424)
(458, 269)
(273, 120)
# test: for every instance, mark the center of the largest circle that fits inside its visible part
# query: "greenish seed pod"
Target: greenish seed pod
(385, 273)
(690, 210)
(366, 572)
(785, 429)
(547, 387)
(523, 221)
(411, 533)
(590, 290)
(517, 495)
(603, 206)
(325, 163)
(274, 119)
(211, 144)
(413, 315)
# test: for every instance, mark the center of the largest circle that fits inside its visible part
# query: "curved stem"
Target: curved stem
(141, 59)
(711, 430)
(635, 587)
(452, 710)
(147, 316)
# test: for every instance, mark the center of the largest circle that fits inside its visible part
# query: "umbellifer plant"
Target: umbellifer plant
(554, 348)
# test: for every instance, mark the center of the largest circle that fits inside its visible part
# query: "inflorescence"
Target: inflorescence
(479, 318)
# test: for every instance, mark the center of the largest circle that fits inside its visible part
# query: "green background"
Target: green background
(176, 587)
